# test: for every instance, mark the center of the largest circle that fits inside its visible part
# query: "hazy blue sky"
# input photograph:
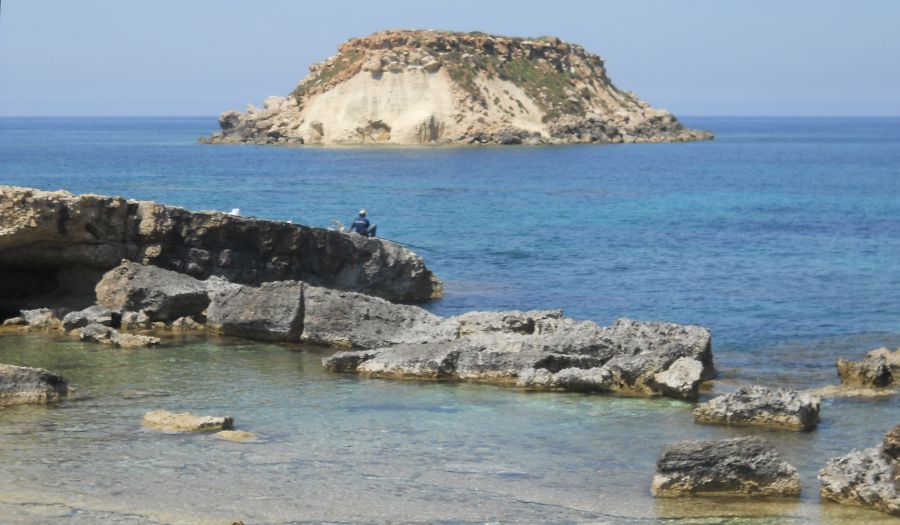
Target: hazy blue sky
(200, 57)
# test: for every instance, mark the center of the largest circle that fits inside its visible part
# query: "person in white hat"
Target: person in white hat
(362, 225)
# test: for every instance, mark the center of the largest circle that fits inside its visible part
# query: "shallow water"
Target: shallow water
(782, 236)
(338, 448)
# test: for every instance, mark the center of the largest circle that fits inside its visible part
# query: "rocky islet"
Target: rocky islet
(441, 87)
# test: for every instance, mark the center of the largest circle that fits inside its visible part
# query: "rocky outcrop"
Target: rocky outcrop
(543, 350)
(91, 315)
(102, 334)
(880, 369)
(271, 312)
(758, 405)
(746, 466)
(868, 478)
(348, 320)
(55, 243)
(163, 295)
(433, 87)
(23, 385)
(186, 422)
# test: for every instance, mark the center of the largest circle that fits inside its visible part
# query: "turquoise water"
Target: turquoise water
(782, 236)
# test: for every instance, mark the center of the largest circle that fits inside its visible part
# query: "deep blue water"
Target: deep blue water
(780, 230)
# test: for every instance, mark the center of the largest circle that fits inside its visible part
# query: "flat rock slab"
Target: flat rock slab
(186, 422)
(758, 405)
(866, 478)
(541, 350)
(746, 466)
(23, 385)
(237, 436)
(163, 295)
(272, 312)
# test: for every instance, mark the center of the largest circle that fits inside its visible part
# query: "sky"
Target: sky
(692, 57)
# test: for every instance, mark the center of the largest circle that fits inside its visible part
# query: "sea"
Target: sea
(782, 236)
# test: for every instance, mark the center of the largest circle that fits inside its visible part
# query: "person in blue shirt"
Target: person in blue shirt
(362, 226)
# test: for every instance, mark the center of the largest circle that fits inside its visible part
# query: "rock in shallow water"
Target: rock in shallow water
(98, 333)
(758, 405)
(186, 422)
(90, 315)
(163, 295)
(542, 350)
(21, 385)
(880, 368)
(746, 466)
(273, 311)
(867, 478)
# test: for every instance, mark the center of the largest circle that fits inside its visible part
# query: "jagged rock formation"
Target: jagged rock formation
(20, 385)
(427, 87)
(55, 246)
(745, 466)
(880, 369)
(542, 350)
(758, 405)
(867, 478)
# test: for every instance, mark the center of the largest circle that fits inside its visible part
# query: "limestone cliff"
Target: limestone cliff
(59, 244)
(433, 87)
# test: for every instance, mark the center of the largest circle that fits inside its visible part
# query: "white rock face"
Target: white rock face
(436, 87)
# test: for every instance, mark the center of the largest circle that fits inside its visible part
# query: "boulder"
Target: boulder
(40, 319)
(90, 315)
(45, 234)
(98, 333)
(866, 478)
(542, 350)
(745, 466)
(163, 295)
(272, 312)
(135, 321)
(186, 422)
(758, 405)
(350, 320)
(891, 443)
(880, 369)
(21, 385)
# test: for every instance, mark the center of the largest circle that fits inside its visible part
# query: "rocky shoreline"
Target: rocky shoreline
(171, 277)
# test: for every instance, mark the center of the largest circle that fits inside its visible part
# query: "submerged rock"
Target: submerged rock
(163, 295)
(746, 466)
(880, 368)
(273, 311)
(186, 422)
(23, 385)
(758, 405)
(868, 478)
(98, 333)
(237, 436)
(543, 350)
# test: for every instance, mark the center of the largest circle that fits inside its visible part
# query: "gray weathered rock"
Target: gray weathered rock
(90, 315)
(98, 333)
(350, 320)
(186, 422)
(544, 351)
(273, 311)
(45, 234)
(163, 295)
(135, 321)
(891, 443)
(40, 319)
(21, 385)
(867, 478)
(758, 405)
(746, 466)
(880, 368)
